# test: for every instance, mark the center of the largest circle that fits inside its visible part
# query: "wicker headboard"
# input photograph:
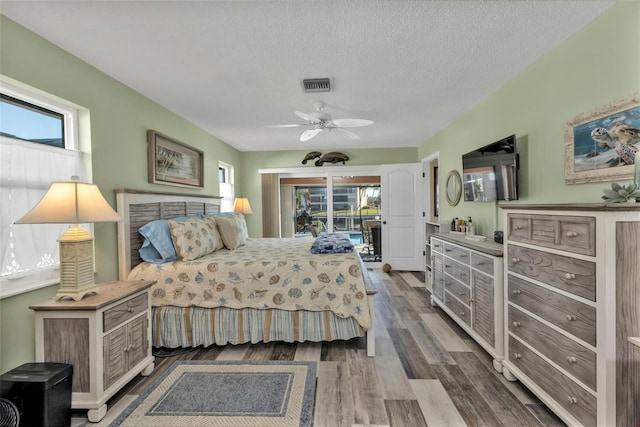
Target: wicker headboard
(140, 207)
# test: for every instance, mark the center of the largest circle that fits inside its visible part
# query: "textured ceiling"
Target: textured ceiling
(235, 67)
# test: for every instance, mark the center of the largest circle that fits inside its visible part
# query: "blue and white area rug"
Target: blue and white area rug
(227, 393)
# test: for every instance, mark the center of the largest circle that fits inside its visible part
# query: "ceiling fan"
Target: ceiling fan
(321, 121)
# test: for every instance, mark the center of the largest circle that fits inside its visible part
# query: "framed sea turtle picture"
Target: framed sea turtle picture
(601, 145)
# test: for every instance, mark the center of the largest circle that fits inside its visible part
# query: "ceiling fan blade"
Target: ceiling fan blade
(308, 117)
(308, 134)
(284, 126)
(346, 133)
(352, 123)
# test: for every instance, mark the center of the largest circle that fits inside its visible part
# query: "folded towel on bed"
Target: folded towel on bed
(332, 243)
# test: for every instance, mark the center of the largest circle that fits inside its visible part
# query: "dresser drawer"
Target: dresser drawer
(570, 233)
(576, 400)
(519, 228)
(568, 314)
(569, 274)
(456, 288)
(576, 359)
(459, 254)
(125, 311)
(459, 271)
(437, 245)
(459, 309)
(482, 263)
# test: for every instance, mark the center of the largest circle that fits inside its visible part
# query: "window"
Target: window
(225, 177)
(38, 146)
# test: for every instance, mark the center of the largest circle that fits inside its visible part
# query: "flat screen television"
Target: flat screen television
(491, 172)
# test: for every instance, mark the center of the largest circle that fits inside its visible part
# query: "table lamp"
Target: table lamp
(241, 205)
(74, 203)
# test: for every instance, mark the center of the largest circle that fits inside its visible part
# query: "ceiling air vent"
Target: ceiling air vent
(316, 85)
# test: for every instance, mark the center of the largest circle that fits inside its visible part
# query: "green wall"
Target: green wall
(120, 118)
(598, 65)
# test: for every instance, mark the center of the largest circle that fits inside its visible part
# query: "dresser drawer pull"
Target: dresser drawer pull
(571, 317)
(464, 255)
(447, 300)
(572, 359)
(517, 291)
(462, 313)
(480, 263)
(571, 234)
(447, 250)
(515, 260)
(516, 324)
(461, 293)
(570, 276)
(130, 309)
(518, 227)
(572, 400)
(517, 356)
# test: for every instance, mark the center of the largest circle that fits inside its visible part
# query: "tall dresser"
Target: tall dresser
(572, 299)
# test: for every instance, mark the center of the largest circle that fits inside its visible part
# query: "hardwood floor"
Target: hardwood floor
(427, 371)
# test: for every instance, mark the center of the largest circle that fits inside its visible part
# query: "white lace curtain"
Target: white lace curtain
(226, 191)
(29, 252)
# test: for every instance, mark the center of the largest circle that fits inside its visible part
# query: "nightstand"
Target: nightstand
(106, 337)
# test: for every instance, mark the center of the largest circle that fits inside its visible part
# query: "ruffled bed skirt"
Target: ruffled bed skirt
(174, 327)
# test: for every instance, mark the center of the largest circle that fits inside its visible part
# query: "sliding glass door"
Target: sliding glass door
(310, 208)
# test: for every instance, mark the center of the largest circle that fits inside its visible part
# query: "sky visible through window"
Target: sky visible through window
(28, 124)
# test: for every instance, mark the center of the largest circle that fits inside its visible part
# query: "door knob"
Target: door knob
(384, 222)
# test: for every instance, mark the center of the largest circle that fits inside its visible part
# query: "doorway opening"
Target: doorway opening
(341, 204)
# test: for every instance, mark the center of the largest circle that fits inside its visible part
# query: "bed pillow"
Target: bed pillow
(194, 237)
(230, 228)
(242, 223)
(158, 243)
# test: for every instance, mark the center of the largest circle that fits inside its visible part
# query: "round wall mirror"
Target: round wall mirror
(453, 187)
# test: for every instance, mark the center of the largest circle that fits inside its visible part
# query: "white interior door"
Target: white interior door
(402, 224)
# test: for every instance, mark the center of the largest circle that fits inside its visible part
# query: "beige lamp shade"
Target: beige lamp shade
(71, 203)
(241, 205)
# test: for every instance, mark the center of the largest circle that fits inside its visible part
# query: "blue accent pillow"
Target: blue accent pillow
(158, 245)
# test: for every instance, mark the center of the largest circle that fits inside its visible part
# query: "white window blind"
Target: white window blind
(38, 145)
(226, 187)
(29, 253)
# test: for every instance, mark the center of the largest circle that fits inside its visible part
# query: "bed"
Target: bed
(264, 290)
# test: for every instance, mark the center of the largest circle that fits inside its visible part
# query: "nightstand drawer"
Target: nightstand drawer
(576, 400)
(459, 254)
(569, 274)
(482, 263)
(576, 359)
(125, 311)
(459, 309)
(568, 314)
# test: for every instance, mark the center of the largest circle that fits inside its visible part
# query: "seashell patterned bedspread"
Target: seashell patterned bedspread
(265, 273)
